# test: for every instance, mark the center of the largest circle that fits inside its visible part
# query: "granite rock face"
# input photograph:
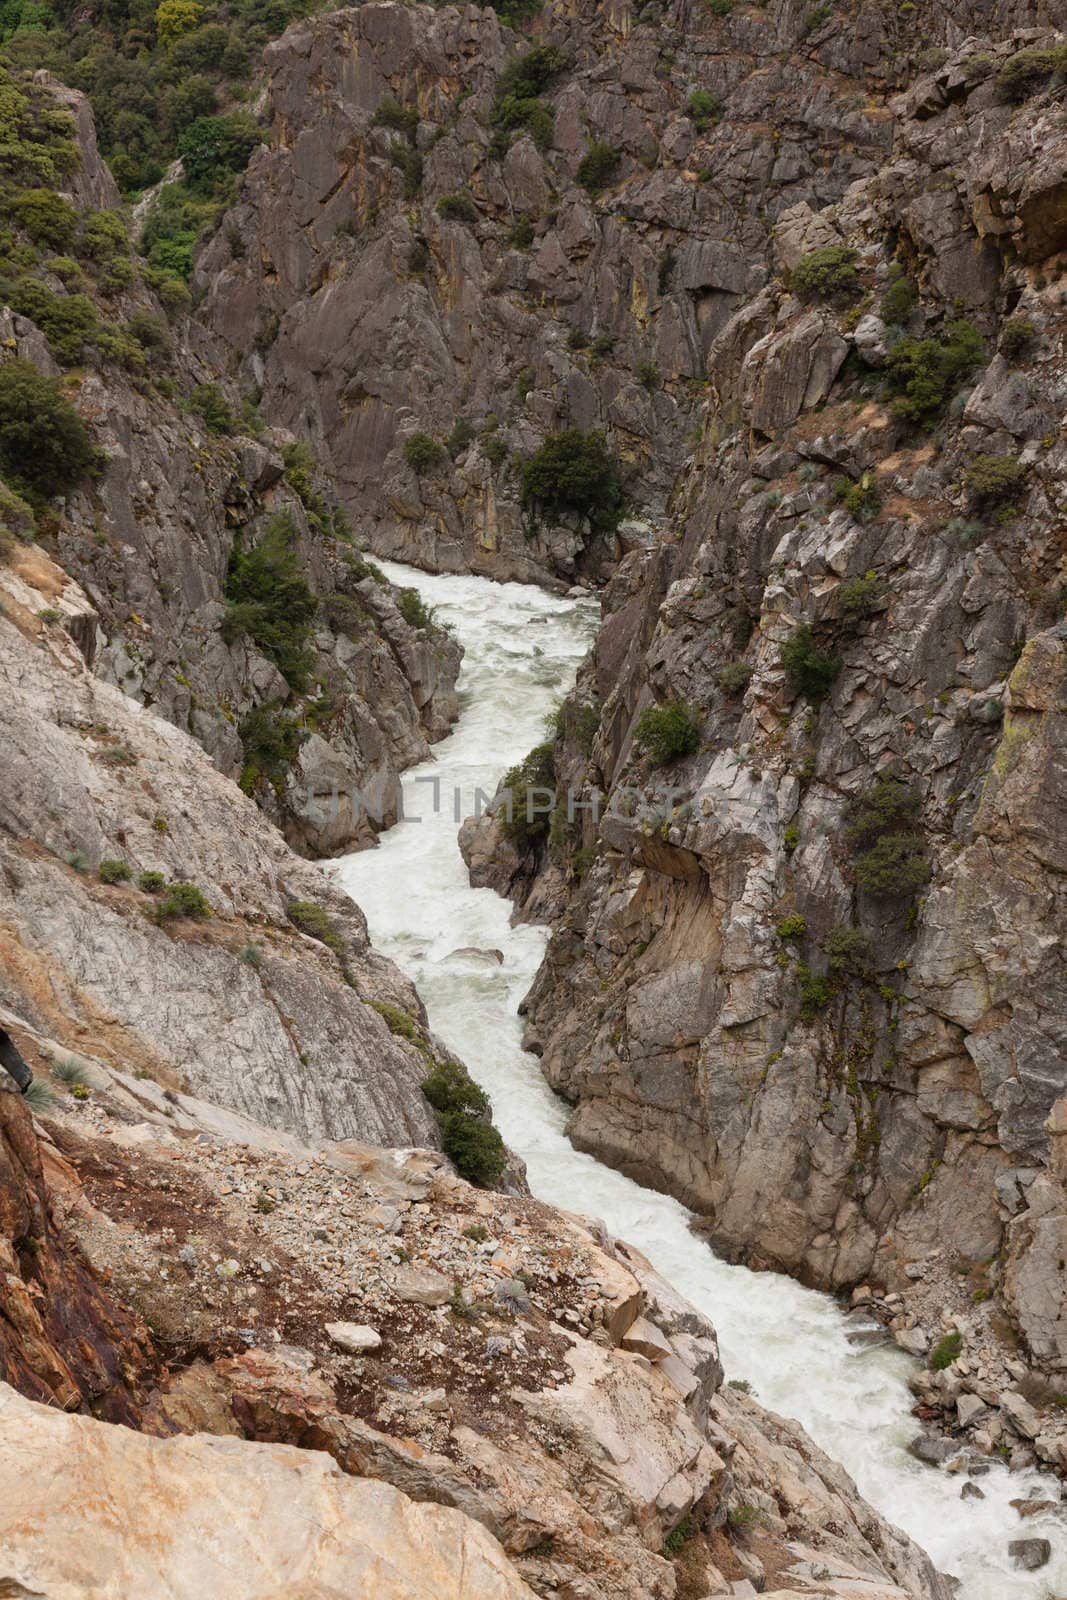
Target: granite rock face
(151, 543)
(238, 1005)
(365, 315)
(837, 1031)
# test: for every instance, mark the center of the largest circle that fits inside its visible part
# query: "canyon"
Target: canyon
(784, 293)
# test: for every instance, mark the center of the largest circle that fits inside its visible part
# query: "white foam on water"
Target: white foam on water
(523, 647)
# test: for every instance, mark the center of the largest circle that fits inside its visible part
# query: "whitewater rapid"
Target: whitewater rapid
(522, 651)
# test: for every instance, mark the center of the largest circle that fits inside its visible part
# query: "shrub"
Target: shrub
(70, 1071)
(151, 882)
(704, 109)
(735, 677)
(399, 1022)
(450, 1088)
(793, 926)
(269, 599)
(720, 8)
(947, 1349)
(598, 166)
(993, 481)
(668, 732)
(401, 119)
(847, 949)
(46, 217)
(603, 344)
(317, 923)
(887, 805)
(459, 207)
(809, 670)
(183, 900)
(528, 74)
(574, 472)
(44, 447)
(38, 1096)
(858, 598)
(422, 452)
(17, 521)
(150, 332)
(270, 739)
(413, 608)
(514, 112)
(208, 400)
(251, 955)
(114, 871)
(531, 786)
(862, 500)
(678, 1537)
(828, 273)
(647, 374)
(923, 374)
(1024, 73)
(213, 148)
(898, 300)
(460, 436)
(521, 236)
(475, 1148)
(816, 990)
(895, 865)
(409, 161)
(1015, 337)
(175, 18)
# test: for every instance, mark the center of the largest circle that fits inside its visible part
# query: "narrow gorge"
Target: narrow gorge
(532, 989)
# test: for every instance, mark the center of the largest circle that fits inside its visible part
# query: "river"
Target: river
(523, 647)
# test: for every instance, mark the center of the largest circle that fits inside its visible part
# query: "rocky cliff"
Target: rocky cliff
(316, 721)
(418, 1379)
(806, 968)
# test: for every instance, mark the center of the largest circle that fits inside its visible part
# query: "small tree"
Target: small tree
(993, 481)
(574, 472)
(422, 452)
(809, 670)
(668, 732)
(44, 447)
(598, 166)
(828, 273)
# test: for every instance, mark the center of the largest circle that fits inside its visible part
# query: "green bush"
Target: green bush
(459, 207)
(399, 1022)
(68, 321)
(809, 671)
(923, 374)
(858, 598)
(527, 75)
(1024, 73)
(408, 159)
(183, 900)
(735, 677)
(208, 400)
(847, 949)
(474, 1147)
(114, 871)
(668, 732)
(895, 865)
(647, 374)
(270, 740)
(704, 109)
(413, 608)
(993, 481)
(151, 882)
(828, 273)
(862, 500)
(450, 1088)
(401, 119)
(521, 236)
(598, 166)
(793, 926)
(317, 923)
(17, 520)
(150, 332)
(529, 822)
(574, 472)
(898, 300)
(883, 830)
(176, 222)
(47, 218)
(422, 452)
(214, 148)
(269, 599)
(514, 111)
(1016, 336)
(947, 1349)
(816, 990)
(44, 447)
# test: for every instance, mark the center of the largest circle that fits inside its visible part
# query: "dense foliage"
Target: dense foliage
(270, 601)
(669, 732)
(44, 447)
(574, 472)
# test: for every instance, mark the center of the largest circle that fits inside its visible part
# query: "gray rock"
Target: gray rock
(354, 1338)
(1029, 1555)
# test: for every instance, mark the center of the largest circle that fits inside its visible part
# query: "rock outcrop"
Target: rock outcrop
(807, 976)
(525, 1396)
(152, 541)
(224, 996)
